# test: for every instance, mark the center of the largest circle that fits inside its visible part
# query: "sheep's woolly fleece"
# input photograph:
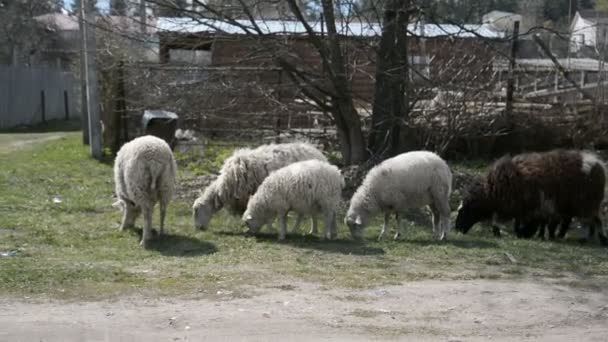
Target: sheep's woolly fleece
(144, 171)
(308, 188)
(409, 180)
(246, 169)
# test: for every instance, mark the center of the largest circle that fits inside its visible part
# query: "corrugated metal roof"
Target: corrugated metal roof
(187, 25)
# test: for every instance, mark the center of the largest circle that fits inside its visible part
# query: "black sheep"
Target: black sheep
(563, 183)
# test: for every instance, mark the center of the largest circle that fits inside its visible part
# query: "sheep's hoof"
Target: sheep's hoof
(397, 236)
(146, 244)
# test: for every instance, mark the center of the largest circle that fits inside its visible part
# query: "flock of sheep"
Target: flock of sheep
(535, 190)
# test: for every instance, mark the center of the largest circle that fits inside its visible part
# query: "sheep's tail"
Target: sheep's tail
(120, 180)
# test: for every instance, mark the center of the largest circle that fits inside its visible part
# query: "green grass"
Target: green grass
(73, 249)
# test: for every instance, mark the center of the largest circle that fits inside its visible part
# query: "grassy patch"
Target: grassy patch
(56, 214)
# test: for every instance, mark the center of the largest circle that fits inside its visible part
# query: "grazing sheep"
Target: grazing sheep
(241, 175)
(308, 188)
(144, 173)
(538, 222)
(563, 183)
(409, 180)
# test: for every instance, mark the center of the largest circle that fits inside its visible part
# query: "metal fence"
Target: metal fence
(35, 95)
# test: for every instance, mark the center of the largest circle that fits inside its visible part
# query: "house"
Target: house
(589, 29)
(502, 21)
(64, 47)
(434, 49)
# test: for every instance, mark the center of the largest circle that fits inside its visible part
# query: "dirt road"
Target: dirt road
(13, 141)
(478, 310)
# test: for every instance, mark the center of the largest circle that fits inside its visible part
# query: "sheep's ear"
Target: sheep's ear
(358, 220)
(249, 218)
(118, 204)
(459, 206)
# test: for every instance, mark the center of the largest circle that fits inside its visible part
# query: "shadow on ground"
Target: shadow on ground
(179, 245)
(341, 246)
(478, 244)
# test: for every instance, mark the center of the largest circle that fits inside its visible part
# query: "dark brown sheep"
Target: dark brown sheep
(559, 183)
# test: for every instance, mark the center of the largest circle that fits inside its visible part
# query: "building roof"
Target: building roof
(68, 22)
(58, 21)
(593, 15)
(498, 15)
(287, 27)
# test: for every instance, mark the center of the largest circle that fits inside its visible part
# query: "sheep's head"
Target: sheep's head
(253, 222)
(356, 222)
(475, 207)
(202, 212)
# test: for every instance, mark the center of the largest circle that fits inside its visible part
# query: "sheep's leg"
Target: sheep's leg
(495, 226)
(313, 228)
(552, 227)
(439, 229)
(282, 226)
(329, 228)
(541, 230)
(384, 227)
(163, 212)
(444, 220)
(563, 229)
(147, 231)
(601, 234)
(129, 215)
(400, 227)
(333, 233)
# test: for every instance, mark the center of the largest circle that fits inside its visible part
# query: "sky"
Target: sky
(102, 4)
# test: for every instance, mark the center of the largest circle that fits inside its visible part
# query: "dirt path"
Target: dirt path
(13, 141)
(479, 310)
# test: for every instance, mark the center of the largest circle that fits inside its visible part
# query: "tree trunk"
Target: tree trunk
(352, 141)
(351, 135)
(390, 108)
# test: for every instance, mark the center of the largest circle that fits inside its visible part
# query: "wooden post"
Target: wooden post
(43, 106)
(510, 80)
(90, 75)
(84, 114)
(120, 125)
(66, 105)
(278, 122)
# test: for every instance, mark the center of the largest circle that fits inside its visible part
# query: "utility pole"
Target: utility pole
(84, 114)
(90, 78)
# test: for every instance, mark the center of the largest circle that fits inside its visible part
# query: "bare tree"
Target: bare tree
(390, 109)
(21, 36)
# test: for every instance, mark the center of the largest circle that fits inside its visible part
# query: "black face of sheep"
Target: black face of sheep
(474, 208)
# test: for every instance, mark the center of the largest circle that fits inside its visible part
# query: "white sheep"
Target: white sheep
(144, 173)
(241, 175)
(409, 180)
(309, 187)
